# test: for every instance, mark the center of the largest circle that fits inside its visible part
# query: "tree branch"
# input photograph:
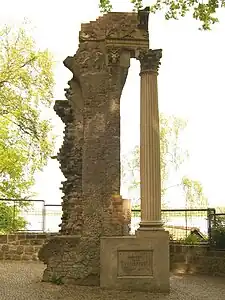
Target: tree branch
(27, 62)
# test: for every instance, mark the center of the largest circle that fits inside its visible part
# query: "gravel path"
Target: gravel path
(21, 281)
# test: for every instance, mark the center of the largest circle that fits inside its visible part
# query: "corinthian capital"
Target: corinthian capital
(150, 60)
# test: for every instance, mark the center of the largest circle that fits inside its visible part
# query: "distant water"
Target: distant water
(36, 221)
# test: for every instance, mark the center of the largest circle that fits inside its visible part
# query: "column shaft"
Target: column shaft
(150, 148)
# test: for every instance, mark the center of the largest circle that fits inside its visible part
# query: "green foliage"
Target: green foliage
(26, 84)
(220, 209)
(171, 237)
(58, 280)
(137, 4)
(171, 154)
(218, 232)
(10, 219)
(136, 211)
(191, 239)
(172, 157)
(174, 9)
(105, 6)
(194, 194)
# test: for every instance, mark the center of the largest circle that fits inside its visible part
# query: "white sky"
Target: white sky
(191, 83)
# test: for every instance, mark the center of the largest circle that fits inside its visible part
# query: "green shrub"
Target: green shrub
(57, 279)
(192, 239)
(10, 219)
(218, 232)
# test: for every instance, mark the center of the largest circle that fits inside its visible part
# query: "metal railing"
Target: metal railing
(29, 215)
(19, 214)
(41, 217)
(181, 223)
(52, 217)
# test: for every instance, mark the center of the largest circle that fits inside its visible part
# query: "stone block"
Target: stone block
(20, 249)
(25, 242)
(12, 238)
(21, 236)
(16, 257)
(34, 257)
(8, 256)
(12, 247)
(31, 236)
(179, 257)
(3, 239)
(5, 248)
(136, 262)
(176, 248)
(37, 248)
(12, 252)
(26, 257)
(36, 242)
(218, 254)
(29, 250)
(15, 243)
(42, 236)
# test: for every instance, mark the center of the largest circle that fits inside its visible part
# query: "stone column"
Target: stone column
(150, 142)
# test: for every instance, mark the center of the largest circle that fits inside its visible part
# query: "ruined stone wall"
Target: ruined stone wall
(76, 258)
(90, 154)
(70, 158)
(101, 156)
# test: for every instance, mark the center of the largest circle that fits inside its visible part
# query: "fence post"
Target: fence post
(43, 217)
(211, 214)
(209, 217)
(14, 216)
(186, 223)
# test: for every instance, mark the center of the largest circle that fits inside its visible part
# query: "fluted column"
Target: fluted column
(150, 142)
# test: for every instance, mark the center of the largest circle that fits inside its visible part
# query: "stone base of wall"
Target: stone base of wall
(184, 259)
(198, 259)
(75, 258)
(71, 259)
(21, 246)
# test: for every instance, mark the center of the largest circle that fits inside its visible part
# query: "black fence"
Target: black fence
(19, 214)
(29, 215)
(217, 230)
(185, 225)
(52, 217)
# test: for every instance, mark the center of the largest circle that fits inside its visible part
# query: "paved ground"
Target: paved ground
(21, 281)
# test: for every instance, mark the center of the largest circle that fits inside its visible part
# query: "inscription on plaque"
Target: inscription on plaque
(134, 263)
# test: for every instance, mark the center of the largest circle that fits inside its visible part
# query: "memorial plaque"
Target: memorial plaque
(134, 263)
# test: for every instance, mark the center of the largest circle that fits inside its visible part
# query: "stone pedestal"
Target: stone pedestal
(150, 142)
(136, 263)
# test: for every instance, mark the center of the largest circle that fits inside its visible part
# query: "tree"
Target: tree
(194, 196)
(172, 158)
(26, 84)
(203, 12)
